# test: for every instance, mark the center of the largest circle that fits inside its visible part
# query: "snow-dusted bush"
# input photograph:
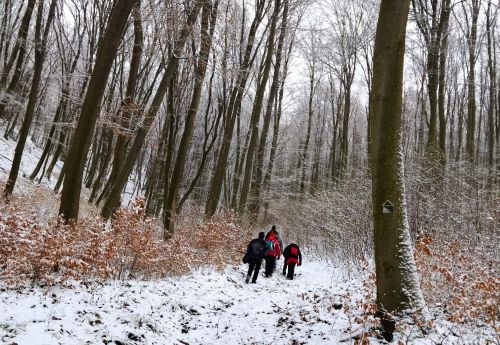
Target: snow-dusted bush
(335, 223)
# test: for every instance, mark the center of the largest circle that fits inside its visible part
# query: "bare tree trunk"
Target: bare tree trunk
(18, 52)
(256, 187)
(445, 18)
(492, 95)
(398, 286)
(128, 106)
(231, 113)
(471, 82)
(80, 143)
(114, 196)
(257, 108)
(208, 21)
(40, 49)
(305, 146)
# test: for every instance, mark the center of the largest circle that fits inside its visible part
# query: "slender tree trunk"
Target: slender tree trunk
(128, 106)
(492, 95)
(257, 108)
(305, 148)
(40, 49)
(471, 82)
(19, 48)
(231, 114)
(208, 21)
(19, 51)
(256, 187)
(113, 199)
(207, 147)
(445, 14)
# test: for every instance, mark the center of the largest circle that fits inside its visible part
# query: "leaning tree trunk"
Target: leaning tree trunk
(209, 17)
(257, 108)
(231, 114)
(398, 286)
(256, 188)
(18, 52)
(80, 143)
(40, 43)
(113, 199)
(128, 106)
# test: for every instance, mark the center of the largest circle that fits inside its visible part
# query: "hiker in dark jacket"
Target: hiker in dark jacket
(292, 257)
(256, 251)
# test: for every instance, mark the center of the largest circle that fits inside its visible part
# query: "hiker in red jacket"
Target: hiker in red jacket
(292, 257)
(273, 252)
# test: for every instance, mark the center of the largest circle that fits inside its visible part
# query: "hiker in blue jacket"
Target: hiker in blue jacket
(256, 251)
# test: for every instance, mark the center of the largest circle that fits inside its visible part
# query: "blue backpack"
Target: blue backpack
(269, 245)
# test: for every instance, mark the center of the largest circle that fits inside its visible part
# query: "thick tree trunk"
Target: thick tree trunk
(128, 106)
(398, 286)
(80, 143)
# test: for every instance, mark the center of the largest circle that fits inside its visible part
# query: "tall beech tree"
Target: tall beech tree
(398, 286)
(232, 111)
(80, 142)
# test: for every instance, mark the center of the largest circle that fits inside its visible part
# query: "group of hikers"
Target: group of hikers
(268, 246)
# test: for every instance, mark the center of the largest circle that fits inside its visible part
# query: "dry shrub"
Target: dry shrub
(198, 242)
(463, 280)
(51, 253)
(48, 253)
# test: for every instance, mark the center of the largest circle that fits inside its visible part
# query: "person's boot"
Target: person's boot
(247, 280)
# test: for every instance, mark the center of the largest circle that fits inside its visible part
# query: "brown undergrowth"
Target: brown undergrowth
(46, 252)
(460, 278)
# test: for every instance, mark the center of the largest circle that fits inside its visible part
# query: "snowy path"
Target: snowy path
(204, 308)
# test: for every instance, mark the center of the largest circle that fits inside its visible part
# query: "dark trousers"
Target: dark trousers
(291, 270)
(270, 264)
(253, 266)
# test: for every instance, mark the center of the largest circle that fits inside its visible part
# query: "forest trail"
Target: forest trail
(206, 307)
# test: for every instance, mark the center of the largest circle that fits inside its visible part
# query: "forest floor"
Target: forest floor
(324, 304)
(209, 307)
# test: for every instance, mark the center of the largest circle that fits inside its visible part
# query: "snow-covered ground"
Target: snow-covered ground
(204, 308)
(29, 160)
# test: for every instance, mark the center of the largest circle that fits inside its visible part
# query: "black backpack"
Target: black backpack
(257, 248)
